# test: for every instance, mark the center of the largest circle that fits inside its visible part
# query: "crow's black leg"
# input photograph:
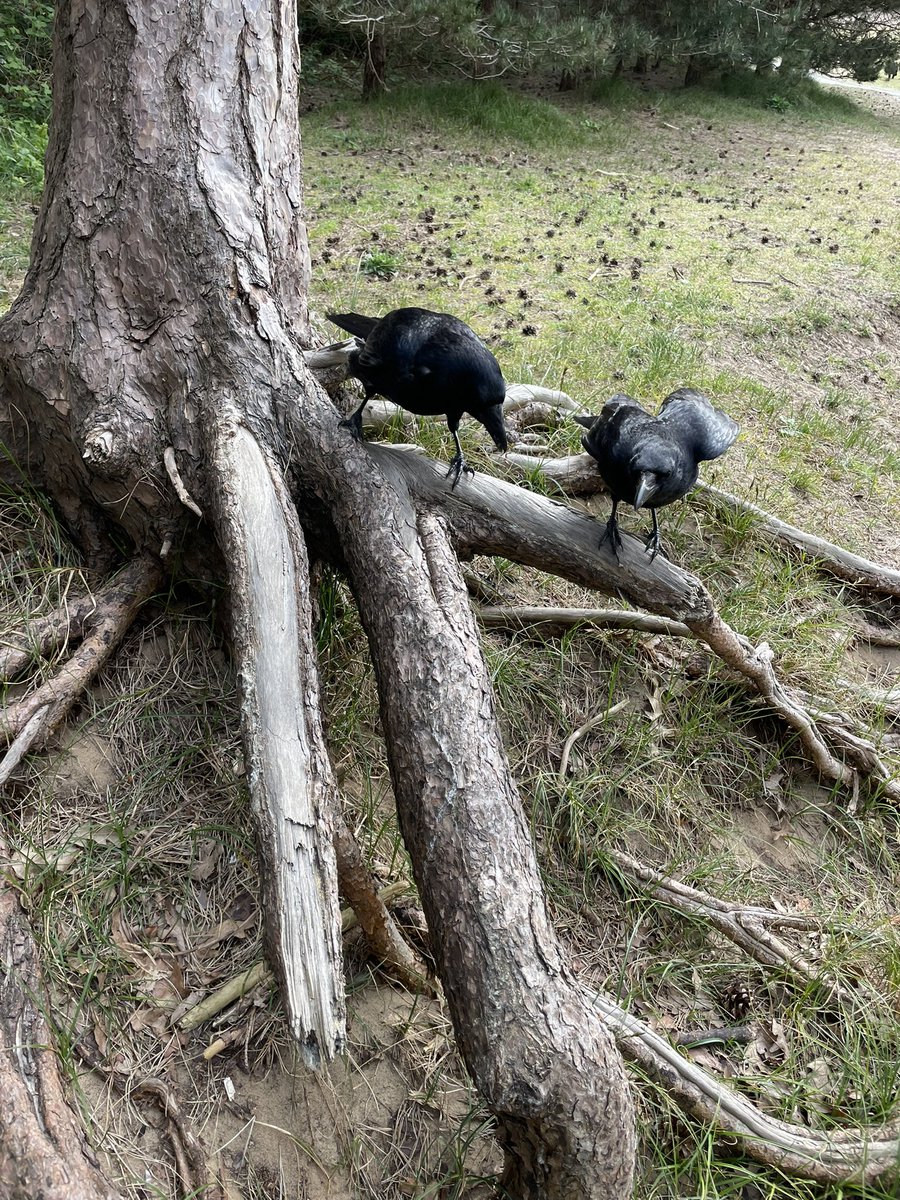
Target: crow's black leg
(653, 540)
(354, 421)
(459, 464)
(611, 532)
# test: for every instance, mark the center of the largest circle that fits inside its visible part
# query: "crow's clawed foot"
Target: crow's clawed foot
(354, 424)
(652, 544)
(458, 466)
(611, 534)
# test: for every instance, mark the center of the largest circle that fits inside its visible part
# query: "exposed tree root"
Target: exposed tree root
(861, 760)
(22, 743)
(747, 925)
(861, 572)
(525, 617)
(885, 699)
(498, 518)
(876, 635)
(194, 1172)
(577, 475)
(838, 1156)
(552, 1079)
(42, 1148)
(384, 938)
(43, 711)
(46, 634)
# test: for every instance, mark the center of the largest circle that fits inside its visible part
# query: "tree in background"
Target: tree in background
(579, 38)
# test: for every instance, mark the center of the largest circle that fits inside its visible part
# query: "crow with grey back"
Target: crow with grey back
(650, 461)
(429, 363)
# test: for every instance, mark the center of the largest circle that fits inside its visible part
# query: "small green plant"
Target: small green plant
(380, 264)
(778, 103)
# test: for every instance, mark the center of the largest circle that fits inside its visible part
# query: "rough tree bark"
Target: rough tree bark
(42, 1150)
(158, 336)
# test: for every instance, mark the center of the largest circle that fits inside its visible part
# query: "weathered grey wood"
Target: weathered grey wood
(292, 788)
(42, 1148)
(490, 516)
(497, 616)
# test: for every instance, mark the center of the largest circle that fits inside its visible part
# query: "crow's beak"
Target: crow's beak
(645, 488)
(492, 420)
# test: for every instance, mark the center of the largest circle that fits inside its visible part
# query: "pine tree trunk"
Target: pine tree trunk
(164, 311)
(375, 62)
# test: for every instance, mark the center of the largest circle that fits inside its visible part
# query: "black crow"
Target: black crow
(428, 363)
(651, 461)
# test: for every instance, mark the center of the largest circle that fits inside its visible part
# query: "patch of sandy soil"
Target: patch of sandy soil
(86, 764)
(376, 1124)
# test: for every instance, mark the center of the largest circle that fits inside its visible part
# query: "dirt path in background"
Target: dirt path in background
(884, 102)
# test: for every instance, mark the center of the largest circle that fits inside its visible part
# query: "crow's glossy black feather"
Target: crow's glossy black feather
(428, 363)
(661, 455)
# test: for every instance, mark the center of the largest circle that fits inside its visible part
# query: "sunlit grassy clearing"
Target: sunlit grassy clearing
(746, 251)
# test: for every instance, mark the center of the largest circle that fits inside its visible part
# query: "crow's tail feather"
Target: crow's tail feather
(354, 323)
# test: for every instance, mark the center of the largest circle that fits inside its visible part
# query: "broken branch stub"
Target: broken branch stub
(292, 788)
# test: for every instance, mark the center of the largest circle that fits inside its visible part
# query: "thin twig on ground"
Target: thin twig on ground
(194, 1172)
(742, 1034)
(525, 617)
(260, 972)
(598, 719)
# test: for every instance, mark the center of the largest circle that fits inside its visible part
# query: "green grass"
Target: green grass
(15, 240)
(745, 250)
(615, 240)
